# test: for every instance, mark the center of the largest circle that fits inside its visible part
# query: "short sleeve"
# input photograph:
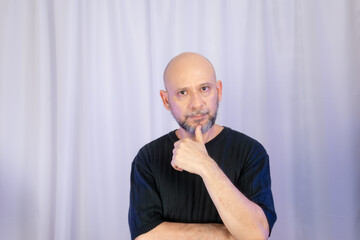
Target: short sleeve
(255, 182)
(145, 211)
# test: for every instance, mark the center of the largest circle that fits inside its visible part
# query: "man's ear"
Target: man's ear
(165, 98)
(219, 89)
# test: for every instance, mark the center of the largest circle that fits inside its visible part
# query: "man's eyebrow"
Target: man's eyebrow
(181, 89)
(200, 85)
(206, 83)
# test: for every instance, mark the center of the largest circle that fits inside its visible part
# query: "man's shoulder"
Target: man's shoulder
(241, 138)
(239, 135)
(161, 143)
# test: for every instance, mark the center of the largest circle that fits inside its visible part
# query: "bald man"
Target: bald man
(202, 180)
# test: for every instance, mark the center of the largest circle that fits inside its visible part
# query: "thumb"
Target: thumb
(198, 134)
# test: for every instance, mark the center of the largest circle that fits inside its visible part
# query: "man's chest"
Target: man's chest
(184, 196)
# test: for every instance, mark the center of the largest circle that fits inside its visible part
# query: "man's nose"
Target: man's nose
(196, 101)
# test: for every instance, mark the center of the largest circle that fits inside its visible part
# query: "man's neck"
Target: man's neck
(208, 136)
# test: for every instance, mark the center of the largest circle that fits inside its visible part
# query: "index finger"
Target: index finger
(198, 134)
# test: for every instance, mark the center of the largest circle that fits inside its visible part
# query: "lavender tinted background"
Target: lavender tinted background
(79, 95)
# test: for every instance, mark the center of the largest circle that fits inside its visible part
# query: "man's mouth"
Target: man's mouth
(198, 113)
(197, 117)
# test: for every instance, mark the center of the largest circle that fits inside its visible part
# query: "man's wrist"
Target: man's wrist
(210, 167)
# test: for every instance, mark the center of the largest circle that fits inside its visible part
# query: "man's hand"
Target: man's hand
(190, 155)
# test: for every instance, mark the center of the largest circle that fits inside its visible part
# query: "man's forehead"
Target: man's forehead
(187, 81)
(189, 66)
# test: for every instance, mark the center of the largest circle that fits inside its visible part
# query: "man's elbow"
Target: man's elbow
(142, 237)
(145, 236)
(258, 233)
(262, 230)
(261, 235)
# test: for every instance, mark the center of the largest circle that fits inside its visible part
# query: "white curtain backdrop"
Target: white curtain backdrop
(79, 95)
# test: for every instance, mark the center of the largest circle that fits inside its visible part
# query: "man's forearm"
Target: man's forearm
(243, 218)
(172, 230)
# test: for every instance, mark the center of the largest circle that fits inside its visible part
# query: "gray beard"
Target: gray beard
(204, 128)
(191, 129)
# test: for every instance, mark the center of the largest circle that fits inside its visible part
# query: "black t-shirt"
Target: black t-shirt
(160, 193)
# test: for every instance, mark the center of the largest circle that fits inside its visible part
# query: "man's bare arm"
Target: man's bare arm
(189, 231)
(243, 218)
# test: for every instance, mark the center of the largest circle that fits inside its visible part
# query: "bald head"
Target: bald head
(186, 64)
(192, 92)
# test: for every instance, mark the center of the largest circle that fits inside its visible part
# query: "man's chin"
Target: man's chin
(189, 125)
(191, 128)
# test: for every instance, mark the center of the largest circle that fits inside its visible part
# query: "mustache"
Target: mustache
(197, 112)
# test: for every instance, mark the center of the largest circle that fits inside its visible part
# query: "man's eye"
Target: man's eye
(182, 93)
(205, 88)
